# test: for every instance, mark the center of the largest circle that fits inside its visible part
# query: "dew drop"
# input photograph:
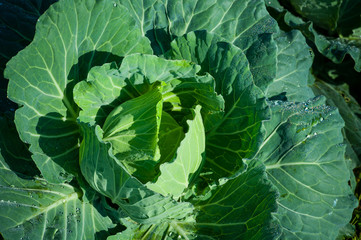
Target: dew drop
(114, 5)
(335, 202)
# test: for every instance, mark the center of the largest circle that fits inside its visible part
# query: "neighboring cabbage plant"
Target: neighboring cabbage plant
(169, 120)
(334, 27)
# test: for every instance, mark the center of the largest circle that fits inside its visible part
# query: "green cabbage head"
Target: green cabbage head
(153, 119)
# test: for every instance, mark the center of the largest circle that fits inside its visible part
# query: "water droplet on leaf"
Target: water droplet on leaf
(335, 202)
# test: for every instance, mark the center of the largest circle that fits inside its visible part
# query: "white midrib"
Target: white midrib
(279, 165)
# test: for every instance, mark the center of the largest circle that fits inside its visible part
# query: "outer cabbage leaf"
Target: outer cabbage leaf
(147, 13)
(108, 176)
(71, 37)
(293, 68)
(339, 96)
(36, 209)
(236, 133)
(177, 175)
(304, 158)
(240, 208)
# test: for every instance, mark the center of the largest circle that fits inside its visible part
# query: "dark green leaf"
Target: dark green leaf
(339, 96)
(293, 68)
(323, 13)
(303, 152)
(240, 208)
